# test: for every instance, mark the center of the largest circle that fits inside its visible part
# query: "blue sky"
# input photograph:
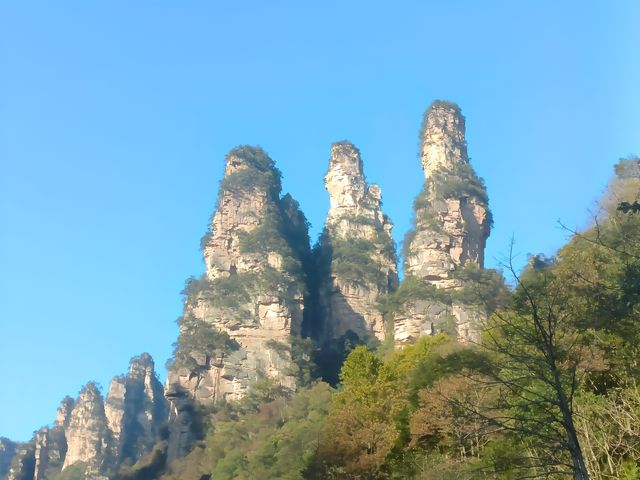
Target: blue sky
(115, 118)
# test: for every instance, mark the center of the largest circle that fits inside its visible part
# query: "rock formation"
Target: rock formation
(8, 450)
(88, 438)
(241, 315)
(357, 252)
(136, 410)
(95, 436)
(452, 223)
(22, 463)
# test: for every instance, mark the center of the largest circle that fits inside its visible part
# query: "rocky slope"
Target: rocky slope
(451, 225)
(357, 252)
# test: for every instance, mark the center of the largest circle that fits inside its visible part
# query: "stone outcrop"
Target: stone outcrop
(50, 452)
(136, 410)
(452, 224)
(22, 463)
(8, 450)
(241, 315)
(88, 437)
(357, 252)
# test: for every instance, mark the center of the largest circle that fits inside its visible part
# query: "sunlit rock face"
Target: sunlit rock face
(252, 289)
(87, 435)
(357, 251)
(452, 224)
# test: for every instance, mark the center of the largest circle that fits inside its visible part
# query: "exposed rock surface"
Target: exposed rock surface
(452, 224)
(88, 438)
(136, 410)
(50, 452)
(357, 252)
(8, 450)
(252, 290)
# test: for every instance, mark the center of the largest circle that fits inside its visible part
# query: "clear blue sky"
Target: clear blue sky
(115, 118)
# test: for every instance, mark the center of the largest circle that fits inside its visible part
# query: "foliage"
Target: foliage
(462, 181)
(268, 436)
(197, 337)
(351, 261)
(411, 290)
(258, 172)
(356, 259)
(369, 414)
(481, 287)
(77, 471)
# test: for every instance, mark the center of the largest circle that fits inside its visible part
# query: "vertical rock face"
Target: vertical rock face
(136, 410)
(452, 224)
(22, 464)
(241, 316)
(87, 435)
(64, 412)
(8, 450)
(357, 251)
(452, 215)
(50, 451)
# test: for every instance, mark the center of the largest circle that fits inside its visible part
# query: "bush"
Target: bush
(481, 287)
(260, 172)
(198, 337)
(460, 182)
(351, 261)
(411, 289)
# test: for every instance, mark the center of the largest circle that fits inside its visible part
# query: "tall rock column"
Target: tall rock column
(241, 316)
(87, 435)
(357, 252)
(136, 410)
(451, 226)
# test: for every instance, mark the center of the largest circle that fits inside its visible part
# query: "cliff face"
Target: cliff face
(87, 435)
(8, 450)
(135, 410)
(241, 315)
(452, 223)
(357, 252)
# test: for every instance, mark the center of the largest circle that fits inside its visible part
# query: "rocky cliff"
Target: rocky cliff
(357, 253)
(240, 317)
(451, 225)
(243, 315)
(136, 411)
